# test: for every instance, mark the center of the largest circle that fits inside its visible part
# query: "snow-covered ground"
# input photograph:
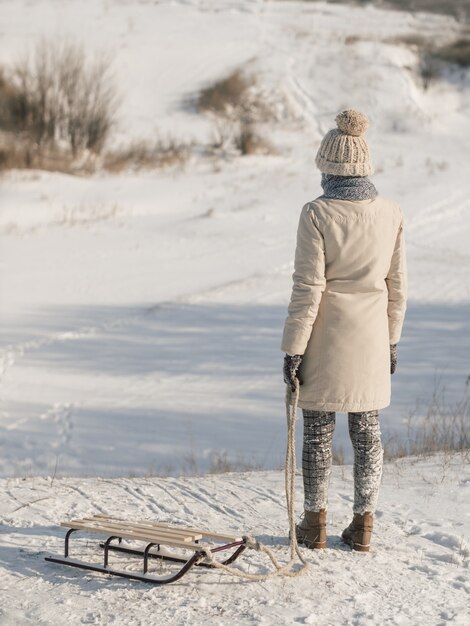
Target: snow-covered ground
(416, 573)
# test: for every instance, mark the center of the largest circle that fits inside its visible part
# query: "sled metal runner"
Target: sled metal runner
(157, 538)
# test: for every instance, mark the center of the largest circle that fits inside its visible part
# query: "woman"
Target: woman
(344, 322)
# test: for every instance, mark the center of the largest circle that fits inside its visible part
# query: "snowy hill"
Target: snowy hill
(416, 573)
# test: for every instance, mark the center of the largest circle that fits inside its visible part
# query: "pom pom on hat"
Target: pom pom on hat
(352, 122)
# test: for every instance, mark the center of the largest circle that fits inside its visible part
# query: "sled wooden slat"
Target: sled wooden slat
(147, 524)
(164, 526)
(105, 529)
(183, 535)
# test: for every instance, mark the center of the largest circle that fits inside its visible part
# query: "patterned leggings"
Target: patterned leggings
(364, 430)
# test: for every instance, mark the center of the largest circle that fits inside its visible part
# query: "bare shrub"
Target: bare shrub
(8, 94)
(59, 98)
(338, 455)
(228, 96)
(411, 39)
(457, 52)
(220, 463)
(209, 213)
(445, 428)
(349, 40)
(434, 167)
(223, 134)
(237, 96)
(434, 58)
(142, 155)
(239, 137)
(429, 69)
(236, 104)
(249, 141)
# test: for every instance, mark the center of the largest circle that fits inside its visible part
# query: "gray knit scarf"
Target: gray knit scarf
(348, 187)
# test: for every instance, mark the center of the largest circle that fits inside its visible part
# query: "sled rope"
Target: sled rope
(289, 479)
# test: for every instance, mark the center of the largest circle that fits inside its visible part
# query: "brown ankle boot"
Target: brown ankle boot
(312, 529)
(359, 532)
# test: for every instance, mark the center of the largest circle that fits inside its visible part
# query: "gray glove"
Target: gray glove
(291, 365)
(393, 358)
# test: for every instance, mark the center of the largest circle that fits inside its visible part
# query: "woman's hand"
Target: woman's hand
(291, 365)
(393, 358)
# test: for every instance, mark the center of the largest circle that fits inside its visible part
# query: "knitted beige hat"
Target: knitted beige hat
(343, 151)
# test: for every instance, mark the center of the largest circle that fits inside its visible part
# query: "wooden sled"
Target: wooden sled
(157, 537)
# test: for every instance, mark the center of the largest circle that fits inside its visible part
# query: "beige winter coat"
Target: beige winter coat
(348, 302)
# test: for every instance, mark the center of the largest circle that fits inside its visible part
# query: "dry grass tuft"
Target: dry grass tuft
(227, 96)
(350, 40)
(20, 153)
(142, 155)
(445, 428)
(338, 455)
(413, 40)
(249, 141)
(457, 52)
(237, 97)
(220, 463)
